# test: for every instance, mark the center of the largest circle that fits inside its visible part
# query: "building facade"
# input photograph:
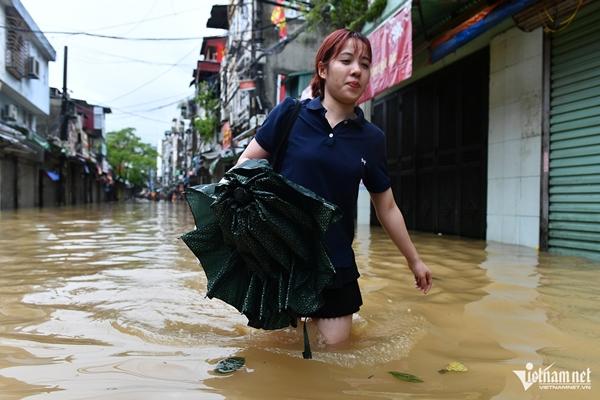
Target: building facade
(258, 61)
(248, 71)
(24, 103)
(77, 171)
(495, 137)
(187, 150)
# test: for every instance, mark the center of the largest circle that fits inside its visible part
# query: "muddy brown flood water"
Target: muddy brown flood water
(105, 302)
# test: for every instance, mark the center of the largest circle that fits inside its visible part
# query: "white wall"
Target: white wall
(514, 145)
(31, 93)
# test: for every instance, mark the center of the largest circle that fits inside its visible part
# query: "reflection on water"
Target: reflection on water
(106, 302)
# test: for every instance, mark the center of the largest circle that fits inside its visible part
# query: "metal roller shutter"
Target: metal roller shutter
(574, 184)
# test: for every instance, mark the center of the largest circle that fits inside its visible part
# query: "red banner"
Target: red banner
(392, 53)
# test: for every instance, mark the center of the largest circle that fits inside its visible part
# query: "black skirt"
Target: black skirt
(345, 300)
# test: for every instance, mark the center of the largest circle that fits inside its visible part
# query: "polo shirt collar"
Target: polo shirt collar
(316, 105)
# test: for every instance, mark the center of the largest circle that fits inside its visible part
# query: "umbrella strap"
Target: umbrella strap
(307, 354)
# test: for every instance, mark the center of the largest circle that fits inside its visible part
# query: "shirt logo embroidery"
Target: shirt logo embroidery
(362, 160)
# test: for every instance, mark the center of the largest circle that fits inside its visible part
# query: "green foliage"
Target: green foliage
(209, 102)
(403, 376)
(206, 127)
(351, 14)
(373, 12)
(130, 158)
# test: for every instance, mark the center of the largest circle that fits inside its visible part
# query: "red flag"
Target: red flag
(278, 19)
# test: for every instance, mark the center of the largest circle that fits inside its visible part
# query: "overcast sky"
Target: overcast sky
(130, 77)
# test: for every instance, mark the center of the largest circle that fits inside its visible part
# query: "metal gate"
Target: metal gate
(574, 175)
(437, 148)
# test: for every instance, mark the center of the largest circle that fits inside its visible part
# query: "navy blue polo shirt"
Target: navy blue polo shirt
(331, 162)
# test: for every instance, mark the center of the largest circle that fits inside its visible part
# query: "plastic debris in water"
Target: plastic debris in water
(403, 376)
(230, 364)
(454, 366)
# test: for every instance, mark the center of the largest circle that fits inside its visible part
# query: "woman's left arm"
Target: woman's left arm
(392, 221)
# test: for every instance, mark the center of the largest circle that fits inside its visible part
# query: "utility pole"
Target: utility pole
(252, 69)
(64, 119)
(257, 41)
(65, 100)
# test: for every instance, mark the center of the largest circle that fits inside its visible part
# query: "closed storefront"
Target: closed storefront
(436, 132)
(8, 182)
(27, 184)
(574, 173)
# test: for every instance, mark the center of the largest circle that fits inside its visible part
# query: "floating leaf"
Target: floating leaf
(454, 366)
(405, 377)
(230, 364)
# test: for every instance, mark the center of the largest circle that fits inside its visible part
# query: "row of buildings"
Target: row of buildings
(52, 149)
(495, 135)
(247, 71)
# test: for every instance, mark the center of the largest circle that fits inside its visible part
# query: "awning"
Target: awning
(227, 154)
(223, 156)
(9, 131)
(39, 140)
(245, 134)
(475, 26)
(210, 155)
(8, 138)
(218, 17)
(14, 144)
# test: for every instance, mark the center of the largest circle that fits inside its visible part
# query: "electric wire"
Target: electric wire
(140, 116)
(101, 36)
(118, 56)
(155, 101)
(144, 20)
(563, 24)
(153, 79)
(125, 60)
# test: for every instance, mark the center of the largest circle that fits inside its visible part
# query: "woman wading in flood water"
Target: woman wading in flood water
(331, 148)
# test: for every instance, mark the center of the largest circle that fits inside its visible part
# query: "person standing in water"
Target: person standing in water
(331, 148)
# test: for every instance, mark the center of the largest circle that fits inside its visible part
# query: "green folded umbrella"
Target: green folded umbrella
(259, 238)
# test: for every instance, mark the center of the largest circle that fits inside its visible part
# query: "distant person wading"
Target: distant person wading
(331, 148)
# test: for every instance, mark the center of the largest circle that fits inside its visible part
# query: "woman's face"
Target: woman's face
(347, 75)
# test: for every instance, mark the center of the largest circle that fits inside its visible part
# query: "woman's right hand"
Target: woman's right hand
(422, 275)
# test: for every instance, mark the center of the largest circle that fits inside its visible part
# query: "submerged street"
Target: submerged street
(105, 301)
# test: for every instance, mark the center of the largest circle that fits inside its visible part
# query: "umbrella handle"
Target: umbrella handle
(307, 354)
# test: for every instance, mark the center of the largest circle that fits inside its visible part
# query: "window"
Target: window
(211, 53)
(17, 48)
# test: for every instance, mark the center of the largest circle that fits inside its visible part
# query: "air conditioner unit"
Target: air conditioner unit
(10, 112)
(33, 68)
